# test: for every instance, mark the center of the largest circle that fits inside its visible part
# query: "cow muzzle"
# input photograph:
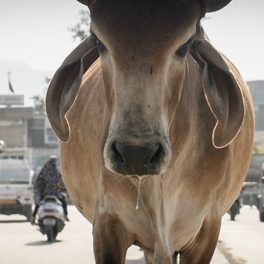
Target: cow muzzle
(129, 158)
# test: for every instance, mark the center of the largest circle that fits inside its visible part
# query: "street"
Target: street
(240, 242)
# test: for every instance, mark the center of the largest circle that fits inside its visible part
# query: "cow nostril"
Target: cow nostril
(135, 159)
(140, 154)
(157, 155)
(116, 154)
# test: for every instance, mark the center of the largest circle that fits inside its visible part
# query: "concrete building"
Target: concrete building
(27, 135)
(42, 142)
(13, 122)
(257, 92)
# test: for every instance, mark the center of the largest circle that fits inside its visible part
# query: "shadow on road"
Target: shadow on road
(12, 221)
(139, 261)
(41, 243)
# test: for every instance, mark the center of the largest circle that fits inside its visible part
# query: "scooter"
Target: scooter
(51, 218)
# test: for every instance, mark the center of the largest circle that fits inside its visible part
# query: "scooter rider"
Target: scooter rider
(49, 182)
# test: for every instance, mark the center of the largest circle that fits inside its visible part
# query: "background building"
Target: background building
(26, 133)
(257, 91)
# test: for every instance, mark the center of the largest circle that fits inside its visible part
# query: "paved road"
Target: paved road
(21, 243)
(243, 239)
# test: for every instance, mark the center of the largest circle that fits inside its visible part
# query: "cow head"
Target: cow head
(143, 48)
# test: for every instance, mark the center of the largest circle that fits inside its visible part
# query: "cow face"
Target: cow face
(143, 47)
(144, 55)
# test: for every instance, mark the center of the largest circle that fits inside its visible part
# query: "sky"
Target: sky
(36, 33)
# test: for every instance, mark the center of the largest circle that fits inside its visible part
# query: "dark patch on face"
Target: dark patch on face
(133, 24)
(151, 70)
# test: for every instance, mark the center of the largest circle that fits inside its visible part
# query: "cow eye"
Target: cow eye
(183, 49)
(99, 44)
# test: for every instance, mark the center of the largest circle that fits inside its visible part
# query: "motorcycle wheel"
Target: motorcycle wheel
(261, 216)
(55, 233)
(50, 235)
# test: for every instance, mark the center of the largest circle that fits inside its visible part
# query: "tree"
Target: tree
(81, 29)
(39, 100)
(39, 104)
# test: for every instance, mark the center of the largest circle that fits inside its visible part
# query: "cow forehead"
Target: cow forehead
(138, 21)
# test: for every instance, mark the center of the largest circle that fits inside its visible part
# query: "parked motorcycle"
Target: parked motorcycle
(51, 218)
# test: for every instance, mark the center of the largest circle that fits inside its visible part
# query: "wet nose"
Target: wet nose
(133, 159)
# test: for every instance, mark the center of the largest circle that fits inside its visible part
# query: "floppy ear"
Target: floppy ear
(214, 5)
(222, 91)
(85, 2)
(65, 84)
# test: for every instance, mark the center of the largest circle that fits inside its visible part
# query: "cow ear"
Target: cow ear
(85, 2)
(65, 84)
(214, 5)
(222, 92)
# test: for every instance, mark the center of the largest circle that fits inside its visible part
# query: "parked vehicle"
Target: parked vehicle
(51, 218)
(261, 195)
(253, 189)
(2, 146)
(249, 194)
(16, 192)
(255, 167)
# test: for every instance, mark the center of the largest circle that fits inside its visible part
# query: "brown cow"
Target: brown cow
(156, 129)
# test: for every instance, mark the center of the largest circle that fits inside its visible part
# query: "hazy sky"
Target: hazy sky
(35, 32)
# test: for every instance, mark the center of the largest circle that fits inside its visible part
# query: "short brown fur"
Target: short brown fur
(140, 92)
